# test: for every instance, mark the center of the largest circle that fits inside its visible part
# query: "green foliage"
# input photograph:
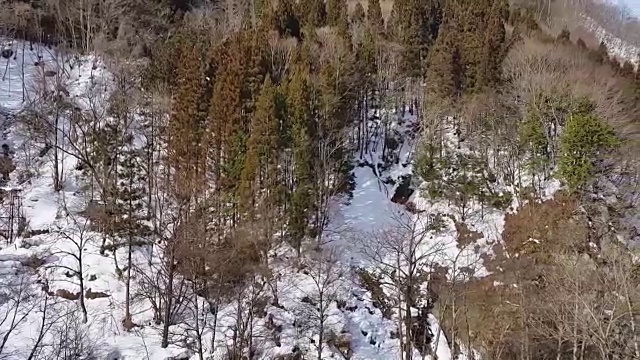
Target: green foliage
(562, 130)
(300, 118)
(546, 113)
(533, 139)
(586, 138)
(469, 49)
(457, 177)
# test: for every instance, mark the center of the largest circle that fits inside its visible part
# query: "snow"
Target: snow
(616, 47)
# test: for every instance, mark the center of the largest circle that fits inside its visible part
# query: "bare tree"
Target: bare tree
(323, 274)
(52, 313)
(70, 340)
(17, 302)
(72, 243)
(402, 254)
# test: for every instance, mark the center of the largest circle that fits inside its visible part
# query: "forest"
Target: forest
(213, 157)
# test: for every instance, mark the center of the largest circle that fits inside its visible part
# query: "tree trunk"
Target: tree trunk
(81, 278)
(169, 302)
(127, 305)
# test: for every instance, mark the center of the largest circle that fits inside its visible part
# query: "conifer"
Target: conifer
(585, 138)
(226, 121)
(336, 12)
(313, 13)
(494, 48)
(259, 171)
(358, 15)
(374, 16)
(302, 132)
(184, 133)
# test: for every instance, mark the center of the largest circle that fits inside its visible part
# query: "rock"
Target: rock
(403, 191)
(114, 355)
(95, 295)
(66, 294)
(7, 53)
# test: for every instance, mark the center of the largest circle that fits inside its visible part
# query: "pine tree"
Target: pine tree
(392, 27)
(313, 13)
(601, 55)
(226, 127)
(494, 47)
(374, 16)
(342, 30)
(584, 140)
(564, 37)
(358, 15)
(302, 132)
(627, 69)
(367, 53)
(336, 12)
(581, 44)
(474, 19)
(260, 167)
(446, 71)
(417, 24)
(286, 19)
(130, 213)
(184, 132)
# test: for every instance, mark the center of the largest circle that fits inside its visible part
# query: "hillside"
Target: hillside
(416, 180)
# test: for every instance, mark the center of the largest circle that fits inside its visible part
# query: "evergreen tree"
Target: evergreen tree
(367, 53)
(627, 69)
(374, 16)
(129, 216)
(336, 12)
(392, 27)
(446, 71)
(286, 19)
(358, 15)
(342, 30)
(417, 24)
(601, 55)
(586, 138)
(564, 37)
(313, 13)
(581, 44)
(260, 171)
(227, 127)
(494, 47)
(302, 125)
(184, 132)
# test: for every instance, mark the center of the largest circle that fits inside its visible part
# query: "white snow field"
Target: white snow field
(55, 242)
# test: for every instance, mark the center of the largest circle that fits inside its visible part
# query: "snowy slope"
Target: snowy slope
(42, 208)
(616, 46)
